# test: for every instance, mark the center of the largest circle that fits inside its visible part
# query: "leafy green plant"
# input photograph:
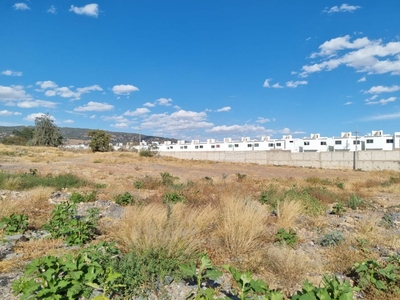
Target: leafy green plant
(85, 197)
(15, 223)
(240, 176)
(204, 272)
(354, 202)
(124, 199)
(167, 179)
(378, 277)
(138, 184)
(340, 185)
(269, 197)
(332, 238)
(387, 221)
(65, 277)
(65, 224)
(332, 289)
(107, 284)
(286, 237)
(173, 197)
(249, 287)
(338, 209)
(147, 153)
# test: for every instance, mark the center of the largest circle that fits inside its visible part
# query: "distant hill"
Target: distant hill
(80, 134)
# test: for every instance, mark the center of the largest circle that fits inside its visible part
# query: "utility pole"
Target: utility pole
(355, 165)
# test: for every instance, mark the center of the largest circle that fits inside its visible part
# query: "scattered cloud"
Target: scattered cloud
(48, 84)
(348, 103)
(342, 8)
(148, 104)
(91, 10)
(7, 113)
(14, 92)
(11, 73)
(69, 121)
(263, 120)
(137, 112)
(383, 117)
(362, 54)
(52, 10)
(52, 89)
(94, 106)
(266, 83)
(362, 79)
(21, 6)
(381, 102)
(88, 89)
(295, 84)
(223, 109)
(119, 119)
(382, 89)
(164, 101)
(240, 129)
(277, 86)
(120, 125)
(124, 89)
(37, 103)
(32, 117)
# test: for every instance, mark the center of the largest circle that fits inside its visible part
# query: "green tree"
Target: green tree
(46, 133)
(19, 137)
(100, 140)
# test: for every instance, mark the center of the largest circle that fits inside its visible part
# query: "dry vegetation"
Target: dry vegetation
(234, 218)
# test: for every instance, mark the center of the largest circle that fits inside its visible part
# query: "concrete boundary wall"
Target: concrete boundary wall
(366, 160)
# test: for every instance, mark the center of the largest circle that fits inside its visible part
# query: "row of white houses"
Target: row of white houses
(377, 140)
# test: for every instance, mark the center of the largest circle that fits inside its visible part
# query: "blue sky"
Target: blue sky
(202, 69)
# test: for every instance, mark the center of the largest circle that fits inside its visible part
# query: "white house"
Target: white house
(379, 141)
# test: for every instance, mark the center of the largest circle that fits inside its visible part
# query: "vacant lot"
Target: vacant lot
(283, 224)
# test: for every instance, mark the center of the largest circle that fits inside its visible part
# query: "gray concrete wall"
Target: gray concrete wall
(366, 160)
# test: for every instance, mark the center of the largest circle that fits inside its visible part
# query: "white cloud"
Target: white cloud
(6, 113)
(120, 125)
(37, 103)
(14, 92)
(52, 10)
(240, 129)
(94, 106)
(32, 117)
(11, 73)
(119, 119)
(342, 8)
(277, 86)
(137, 112)
(164, 101)
(21, 6)
(91, 10)
(263, 120)
(88, 89)
(92, 117)
(348, 103)
(382, 89)
(362, 79)
(381, 102)
(363, 55)
(176, 123)
(48, 84)
(223, 109)
(295, 84)
(266, 83)
(148, 104)
(52, 89)
(383, 117)
(69, 121)
(124, 89)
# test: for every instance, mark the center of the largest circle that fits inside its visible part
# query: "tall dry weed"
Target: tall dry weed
(289, 211)
(242, 225)
(182, 230)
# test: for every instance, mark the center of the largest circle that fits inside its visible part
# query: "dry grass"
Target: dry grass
(242, 225)
(289, 268)
(289, 211)
(180, 231)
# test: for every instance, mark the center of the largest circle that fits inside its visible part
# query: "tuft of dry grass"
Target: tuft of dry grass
(179, 230)
(289, 211)
(241, 226)
(289, 268)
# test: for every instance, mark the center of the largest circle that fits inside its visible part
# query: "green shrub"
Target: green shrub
(124, 199)
(287, 238)
(147, 153)
(173, 197)
(332, 238)
(354, 202)
(138, 184)
(15, 223)
(332, 289)
(68, 276)
(85, 197)
(167, 179)
(269, 197)
(338, 209)
(65, 224)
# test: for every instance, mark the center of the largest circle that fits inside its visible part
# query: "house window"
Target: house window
(338, 142)
(323, 143)
(306, 143)
(256, 145)
(236, 145)
(358, 142)
(196, 147)
(249, 145)
(184, 147)
(212, 146)
(201, 146)
(171, 147)
(217, 146)
(270, 145)
(230, 146)
(278, 144)
(389, 141)
(290, 141)
(370, 141)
